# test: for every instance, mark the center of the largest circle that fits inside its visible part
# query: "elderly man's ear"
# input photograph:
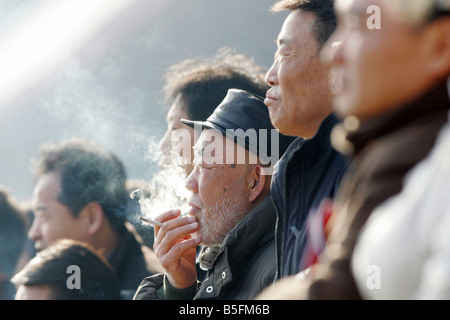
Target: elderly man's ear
(259, 184)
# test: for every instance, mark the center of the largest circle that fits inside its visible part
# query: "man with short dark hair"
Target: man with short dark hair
(80, 194)
(299, 103)
(195, 87)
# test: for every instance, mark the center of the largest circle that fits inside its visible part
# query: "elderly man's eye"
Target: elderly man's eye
(280, 56)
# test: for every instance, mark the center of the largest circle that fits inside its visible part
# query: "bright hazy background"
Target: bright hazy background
(92, 68)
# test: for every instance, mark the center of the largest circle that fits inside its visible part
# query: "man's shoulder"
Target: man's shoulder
(133, 261)
(138, 254)
(148, 289)
(151, 260)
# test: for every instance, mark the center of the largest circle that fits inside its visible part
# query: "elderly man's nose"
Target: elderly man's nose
(191, 181)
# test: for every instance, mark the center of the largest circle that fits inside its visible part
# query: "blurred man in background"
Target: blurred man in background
(195, 87)
(80, 194)
(13, 238)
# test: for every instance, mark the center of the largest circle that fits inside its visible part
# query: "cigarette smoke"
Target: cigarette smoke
(166, 189)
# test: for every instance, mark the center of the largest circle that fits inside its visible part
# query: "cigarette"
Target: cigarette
(153, 222)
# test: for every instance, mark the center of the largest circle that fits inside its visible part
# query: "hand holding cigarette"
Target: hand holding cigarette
(175, 247)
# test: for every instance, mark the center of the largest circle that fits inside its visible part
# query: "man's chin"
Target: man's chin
(39, 247)
(209, 242)
(203, 240)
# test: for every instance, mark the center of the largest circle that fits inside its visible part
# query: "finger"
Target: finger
(167, 238)
(172, 259)
(180, 221)
(169, 225)
(165, 216)
(168, 215)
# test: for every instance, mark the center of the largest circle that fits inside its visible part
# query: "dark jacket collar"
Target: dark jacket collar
(128, 261)
(314, 148)
(127, 245)
(435, 99)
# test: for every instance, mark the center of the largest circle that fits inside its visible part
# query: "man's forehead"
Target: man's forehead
(341, 6)
(411, 11)
(176, 111)
(352, 6)
(213, 146)
(210, 142)
(50, 180)
(296, 27)
(48, 187)
(210, 136)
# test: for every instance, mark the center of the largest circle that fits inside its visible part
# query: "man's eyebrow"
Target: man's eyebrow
(281, 41)
(352, 10)
(40, 207)
(357, 10)
(344, 7)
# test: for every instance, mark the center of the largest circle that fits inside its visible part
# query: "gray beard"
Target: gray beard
(220, 219)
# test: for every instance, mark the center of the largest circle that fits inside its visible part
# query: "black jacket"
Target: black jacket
(240, 269)
(310, 171)
(386, 147)
(132, 262)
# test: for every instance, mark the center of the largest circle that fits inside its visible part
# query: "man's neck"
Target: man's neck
(107, 240)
